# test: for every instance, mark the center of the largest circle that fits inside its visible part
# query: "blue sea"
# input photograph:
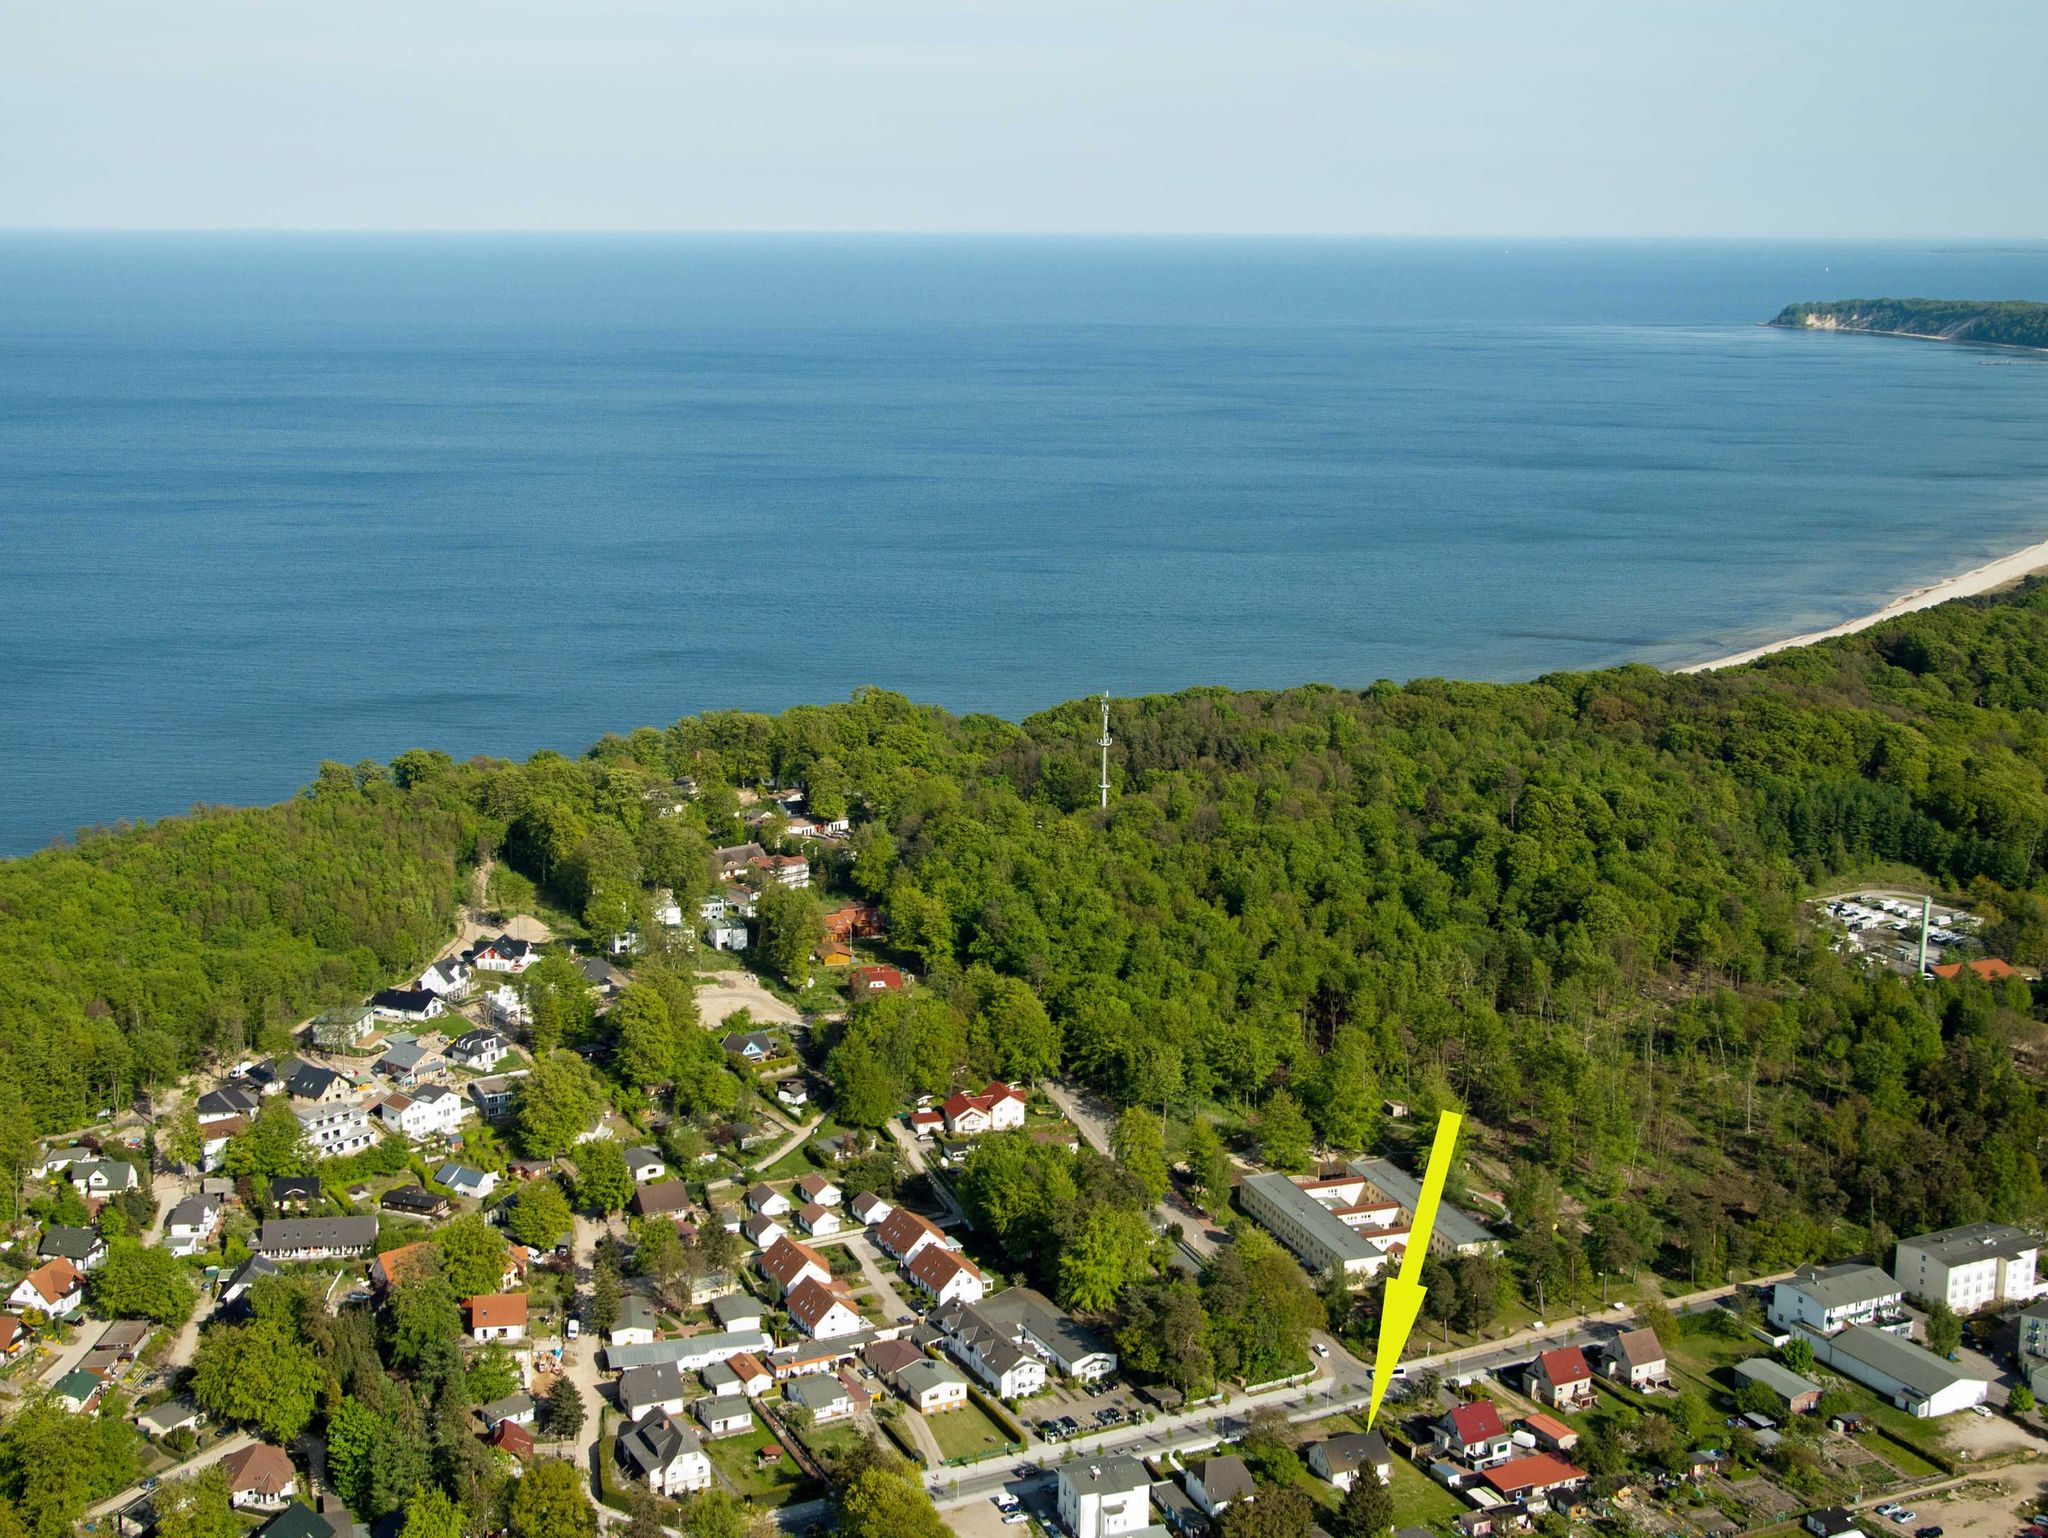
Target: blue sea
(268, 500)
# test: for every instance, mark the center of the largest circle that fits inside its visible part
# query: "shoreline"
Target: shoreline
(1911, 336)
(2006, 571)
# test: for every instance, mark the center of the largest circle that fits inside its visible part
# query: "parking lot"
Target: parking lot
(1113, 1406)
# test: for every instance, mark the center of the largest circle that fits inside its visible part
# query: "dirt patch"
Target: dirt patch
(736, 991)
(1974, 1438)
(1982, 1508)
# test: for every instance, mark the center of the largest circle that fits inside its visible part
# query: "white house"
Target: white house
(787, 1263)
(644, 1165)
(481, 1050)
(818, 1221)
(993, 1350)
(464, 1181)
(56, 1287)
(869, 1208)
(446, 977)
(1219, 1482)
(656, 1386)
(334, 1130)
(1102, 1497)
(498, 1316)
(822, 1310)
(664, 1454)
(998, 1108)
(407, 1004)
(819, 1189)
(768, 1201)
(503, 954)
(930, 1387)
(946, 1276)
(191, 1224)
(508, 1006)
(432, 1111)
(1341, 1459)
(103, 1177)
(728, 1415)
(1977, 1266)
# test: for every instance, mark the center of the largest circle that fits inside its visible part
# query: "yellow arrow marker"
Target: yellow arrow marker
(1403, 1302)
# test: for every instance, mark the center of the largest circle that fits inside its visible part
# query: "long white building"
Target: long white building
(1826, 1299)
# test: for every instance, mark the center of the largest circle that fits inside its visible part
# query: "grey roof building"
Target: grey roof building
(1454, 1230)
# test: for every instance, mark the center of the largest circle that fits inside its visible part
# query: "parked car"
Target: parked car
(1901, 1516)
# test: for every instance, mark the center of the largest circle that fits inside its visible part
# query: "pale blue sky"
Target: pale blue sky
(1426, 117)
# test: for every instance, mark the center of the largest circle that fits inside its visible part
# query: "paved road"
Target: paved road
(788, 1145)
(1092, 1121)
(212, 1455)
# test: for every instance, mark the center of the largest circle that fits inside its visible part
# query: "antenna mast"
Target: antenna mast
(1105, 751)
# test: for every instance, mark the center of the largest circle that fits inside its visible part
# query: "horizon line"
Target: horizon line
(2021, 242)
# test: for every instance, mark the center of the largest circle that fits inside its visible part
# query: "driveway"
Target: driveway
(913, 1150)
(212, 1455)
(884, 1283)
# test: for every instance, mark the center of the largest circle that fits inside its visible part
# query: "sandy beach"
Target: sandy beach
(2003, 572)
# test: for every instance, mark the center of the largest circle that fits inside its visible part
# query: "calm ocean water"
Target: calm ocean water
(268, 500)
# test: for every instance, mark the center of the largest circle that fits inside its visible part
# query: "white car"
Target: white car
(1004, 1501)
(1013, 1518)
(1320, 1349)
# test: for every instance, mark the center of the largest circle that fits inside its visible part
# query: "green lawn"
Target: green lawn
(1420, 1501)
(777, 1485)
(964, 1432)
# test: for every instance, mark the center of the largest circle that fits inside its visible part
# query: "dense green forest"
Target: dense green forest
(1570, 905)
(2007, 323)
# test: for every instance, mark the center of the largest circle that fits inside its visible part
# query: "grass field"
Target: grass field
(1420, 1501)
(777, 1485)
(964, 1432)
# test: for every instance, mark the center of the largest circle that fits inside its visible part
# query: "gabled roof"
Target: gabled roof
(1567, 1364)
(656, 1440)
(298, 1521)
(54, 1280)
(1226, 1477)
(1355, 1450)
(811, 1300)
(497, 1310)
(661, 1196)
(1478, 1421)
(263, 1469)
(1638, 1348)
(786, 1258)
(651, 1383)
(1532, 1471)
(72, 1243)
(901, 1228)
(934, 1266)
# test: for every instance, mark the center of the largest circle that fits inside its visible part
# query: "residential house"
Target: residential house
(1103, 1497)
(791, 1095)
(103, 1177)
(664, 1454)
(869, 1208)
(315, 1238)
(343, 1030)
(1796, 1395)
(736, 858)
(1029, 1318)
(1533, 1477)
(929, 1387)
(994, 1352)
(431, 1111)
(751, 1047)
(503, 954)
(817, 1221)
(664, 1198)
(1341, 1459)
(407, 1004)
(77, 1392)
(56, 1287)
(13, 1337)
(763, 1232)
(1474, 1434)
(192, 1224)
(998, 1108)
(516, 1409)
(854, 921)
(822, 1310)
(645, 1165)
(160, 1420)
(234, 1295)
(782, 869)
(404, 1062)
(903, 1233)
(495, 1096)
(316, 1085)
(230, 1101)
(727, 1415)
(335, 1130)
(767, 1201)
(1636, 1358)
(636, 1323)
(446, 977)
(1826, 1299)
(497, 1316)
(788, 1262)
(1218, 1482)
(1832, 1522)
(750, 1374)
(737, 1311)
(819, 1189)
(260, 1478)
(83, 1247)
(1977, 1266)
(465, 1181)
(946, 1276)
(415, 1202)
(655, 1386)
(479, 1050)
(862, 981)
(823, 1395)
(1561, 1379)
